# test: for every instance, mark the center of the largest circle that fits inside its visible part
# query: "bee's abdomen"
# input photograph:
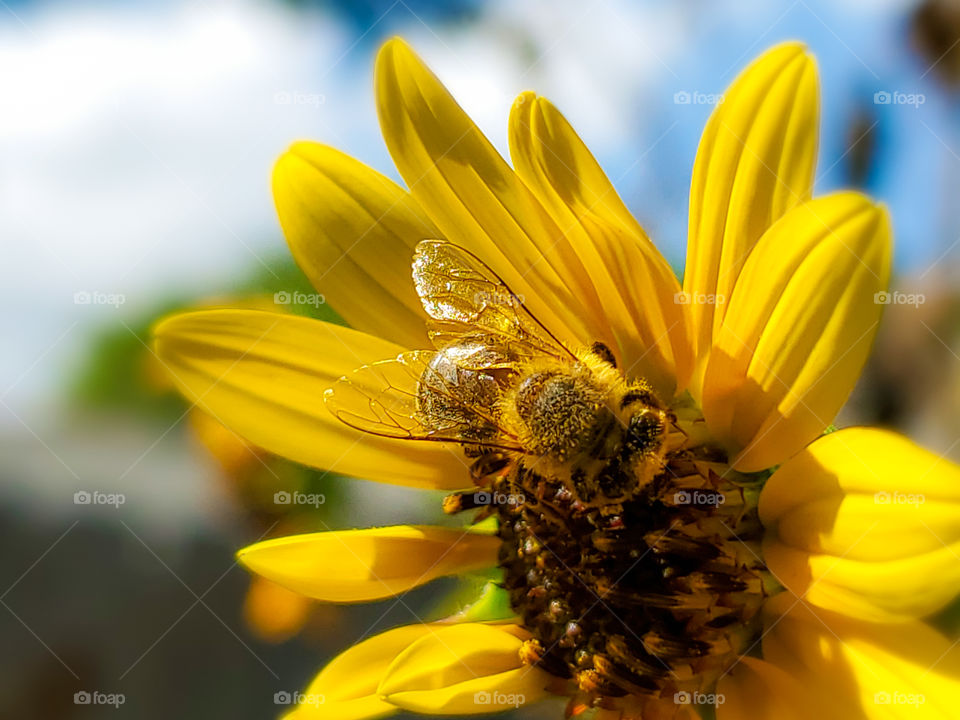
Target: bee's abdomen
(452, 387)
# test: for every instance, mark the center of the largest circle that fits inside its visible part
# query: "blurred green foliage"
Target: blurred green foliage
(119, 375)
(113, 374)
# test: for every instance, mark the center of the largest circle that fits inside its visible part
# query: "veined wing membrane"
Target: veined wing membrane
(409, 399)
(466, 299)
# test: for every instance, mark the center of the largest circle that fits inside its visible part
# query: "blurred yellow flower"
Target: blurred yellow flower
(274, 612)
(806, 598)
(251, 476)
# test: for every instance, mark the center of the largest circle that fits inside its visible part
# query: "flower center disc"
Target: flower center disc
(649, 596)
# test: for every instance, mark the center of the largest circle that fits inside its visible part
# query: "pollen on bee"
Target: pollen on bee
(530, 652)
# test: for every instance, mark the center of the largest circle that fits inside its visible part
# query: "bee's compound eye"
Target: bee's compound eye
(644, 432)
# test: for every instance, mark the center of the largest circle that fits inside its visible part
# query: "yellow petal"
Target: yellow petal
(755, 161)
(264, 374)
(855, 480)
(871, 671)
(477, 201)
(363, 565)
(346, 689)
(552, 159)
(464, 669)
(758, 690)
(639, 292)
(353, 231)
(798, 329)
(866, 523)
(239, 459)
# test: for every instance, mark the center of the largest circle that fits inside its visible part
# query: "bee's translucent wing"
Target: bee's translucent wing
(466, 299)
(409, 399)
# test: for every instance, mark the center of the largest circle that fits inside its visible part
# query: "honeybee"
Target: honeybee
(527, 409)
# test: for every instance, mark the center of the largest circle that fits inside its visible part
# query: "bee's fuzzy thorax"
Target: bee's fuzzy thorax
(577, 418)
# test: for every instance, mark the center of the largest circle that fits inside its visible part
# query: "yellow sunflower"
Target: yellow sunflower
(739, 558)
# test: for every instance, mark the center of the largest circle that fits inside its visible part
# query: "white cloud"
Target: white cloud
(137, 151)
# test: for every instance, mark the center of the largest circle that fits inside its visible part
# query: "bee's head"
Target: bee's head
(644, 434)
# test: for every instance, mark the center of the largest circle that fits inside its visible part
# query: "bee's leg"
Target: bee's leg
(534, 490)
(465, 500)
(481, 500)
(488, 467)
(485, 472)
